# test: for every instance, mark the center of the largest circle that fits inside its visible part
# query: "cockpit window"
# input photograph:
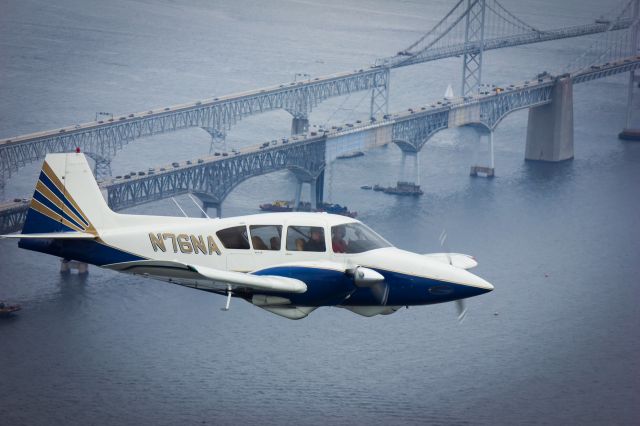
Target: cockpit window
(234, 238)
(355, 238)
(305, 238)
(266, 237)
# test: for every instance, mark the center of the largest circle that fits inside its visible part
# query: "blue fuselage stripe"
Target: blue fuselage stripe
(48, 203)
(88, 251)
(329, 287)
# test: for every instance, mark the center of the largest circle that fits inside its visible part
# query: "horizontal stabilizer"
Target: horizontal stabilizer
(463, 261)
(185, 274)
(72, 235)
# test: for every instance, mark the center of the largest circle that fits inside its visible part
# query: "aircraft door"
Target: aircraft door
(237, 249)
(266, 244)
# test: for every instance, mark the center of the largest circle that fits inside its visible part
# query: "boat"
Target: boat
(404, 188)
(278, 206)
(336, 209)
(350, 155)
(6, 310)
(366, 187)
(287, 206)
(401, 188)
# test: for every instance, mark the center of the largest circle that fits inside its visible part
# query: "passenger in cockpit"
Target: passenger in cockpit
(316, 242)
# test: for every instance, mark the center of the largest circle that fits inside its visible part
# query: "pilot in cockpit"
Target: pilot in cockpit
(337, 239)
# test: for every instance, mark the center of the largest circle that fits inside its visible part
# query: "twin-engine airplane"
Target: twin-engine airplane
(286, 263)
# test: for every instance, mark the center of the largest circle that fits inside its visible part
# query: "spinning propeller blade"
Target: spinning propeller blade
(445, 247)
(381, 291)
(460, 303)
(462, 310)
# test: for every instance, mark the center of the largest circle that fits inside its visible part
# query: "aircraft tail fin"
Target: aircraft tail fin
(67, 198)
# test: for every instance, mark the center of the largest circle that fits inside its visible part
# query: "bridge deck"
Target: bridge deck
(210, 175)
(104, 137)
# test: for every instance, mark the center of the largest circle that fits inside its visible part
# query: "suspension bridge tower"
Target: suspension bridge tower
(629, 133)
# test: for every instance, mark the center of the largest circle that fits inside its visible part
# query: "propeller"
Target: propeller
(381, 291)
(461, 305)
(462, 310)
(365, 277)
(445, 246)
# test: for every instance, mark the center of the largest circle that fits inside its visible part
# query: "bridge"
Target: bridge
(469, 29)
(212, 178)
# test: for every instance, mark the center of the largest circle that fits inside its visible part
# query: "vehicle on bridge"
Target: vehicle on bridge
(286, 263)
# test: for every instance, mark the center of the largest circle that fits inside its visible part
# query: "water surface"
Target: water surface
(555, 343)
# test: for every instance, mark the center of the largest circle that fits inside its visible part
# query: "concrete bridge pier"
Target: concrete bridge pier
(316, 190)
(550, 127)
(629, 133)
(410, 173)
(212, 205)
(410, 151)
(298, 194)
(209, 202)
(67, 265)
(317, 193)
(489, 170)
(299, 125)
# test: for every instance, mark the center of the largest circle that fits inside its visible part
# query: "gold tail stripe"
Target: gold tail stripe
(41, 208)
(49, 195)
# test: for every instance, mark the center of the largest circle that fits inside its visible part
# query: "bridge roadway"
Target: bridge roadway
(101, 139)
(213, 178)
(406, 58)
(104, 137)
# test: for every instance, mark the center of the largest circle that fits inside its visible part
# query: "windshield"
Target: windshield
(355, 238)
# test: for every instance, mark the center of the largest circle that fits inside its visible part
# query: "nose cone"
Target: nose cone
(473, 284)
(472, 280)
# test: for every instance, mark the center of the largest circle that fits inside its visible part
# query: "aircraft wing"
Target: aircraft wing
(72, 235)
(202, 277)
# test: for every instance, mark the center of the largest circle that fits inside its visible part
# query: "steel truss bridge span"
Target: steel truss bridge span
(413, 128)
(103, 139)
(213, 178)
(471, 27)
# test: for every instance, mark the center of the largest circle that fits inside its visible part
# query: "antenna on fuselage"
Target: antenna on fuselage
(198, 206)
(178, 205)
